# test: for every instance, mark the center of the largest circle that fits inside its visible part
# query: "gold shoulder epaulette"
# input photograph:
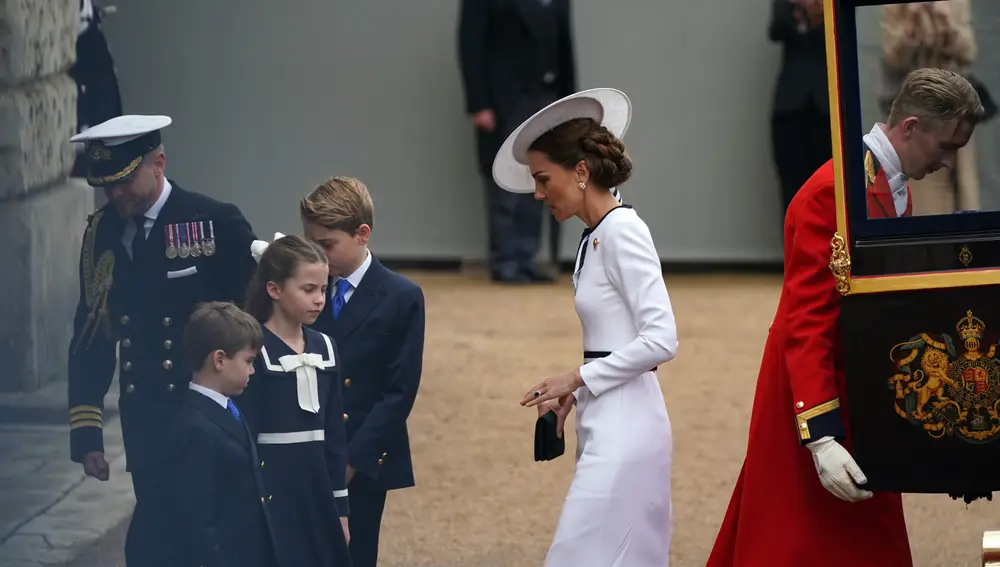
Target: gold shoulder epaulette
(97, 281)
(869, 168)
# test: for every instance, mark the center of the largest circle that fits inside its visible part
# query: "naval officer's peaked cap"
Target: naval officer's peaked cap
(115, 148)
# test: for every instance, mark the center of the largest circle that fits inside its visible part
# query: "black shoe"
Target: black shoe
(509, 277)
(534, 273)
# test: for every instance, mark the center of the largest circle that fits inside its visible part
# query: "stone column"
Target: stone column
(42, 212)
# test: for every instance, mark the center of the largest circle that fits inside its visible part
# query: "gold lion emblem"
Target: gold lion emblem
(946, 392)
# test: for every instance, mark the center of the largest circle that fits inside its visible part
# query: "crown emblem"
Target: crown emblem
(970, 327)
(99, 152)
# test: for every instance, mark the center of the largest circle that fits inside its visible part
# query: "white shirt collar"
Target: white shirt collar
(154, 211)
(888, 160)
(356, 277)
(217, 397)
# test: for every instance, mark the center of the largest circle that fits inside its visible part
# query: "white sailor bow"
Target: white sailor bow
(257, 247)
(307, 385)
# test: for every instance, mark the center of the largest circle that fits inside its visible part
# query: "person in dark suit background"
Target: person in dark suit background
(98, 98)
(516, 57)
(800, 117)
(216, 487)
(376, 317)
(149, 255)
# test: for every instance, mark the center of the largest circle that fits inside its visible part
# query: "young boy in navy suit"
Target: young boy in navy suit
(376, 316)
(218, 492)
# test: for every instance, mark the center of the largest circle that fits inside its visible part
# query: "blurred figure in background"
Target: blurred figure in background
(516, 57)
(800, 117)
(932, 34)
(98, 99)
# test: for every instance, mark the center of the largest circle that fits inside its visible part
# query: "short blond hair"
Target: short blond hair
(342, 203)
(935, 96)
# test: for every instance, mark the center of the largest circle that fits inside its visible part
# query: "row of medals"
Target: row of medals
(189, 239)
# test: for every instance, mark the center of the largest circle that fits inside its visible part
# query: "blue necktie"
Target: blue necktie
(232, 410)
(338, 299)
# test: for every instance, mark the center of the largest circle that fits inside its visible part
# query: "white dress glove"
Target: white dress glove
(838, 473)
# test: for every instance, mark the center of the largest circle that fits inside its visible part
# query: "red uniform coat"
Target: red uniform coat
(780, 515)
(877, 194)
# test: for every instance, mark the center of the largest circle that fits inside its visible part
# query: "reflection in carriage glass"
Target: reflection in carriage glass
(917, 164)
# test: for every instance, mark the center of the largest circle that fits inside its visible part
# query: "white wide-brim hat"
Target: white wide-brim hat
(610, 107)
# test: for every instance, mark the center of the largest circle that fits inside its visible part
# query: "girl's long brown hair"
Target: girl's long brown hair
(278, 264)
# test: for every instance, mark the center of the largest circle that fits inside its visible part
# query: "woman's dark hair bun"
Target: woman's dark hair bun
(584, 139)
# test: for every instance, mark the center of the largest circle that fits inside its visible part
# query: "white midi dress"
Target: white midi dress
(617, 511)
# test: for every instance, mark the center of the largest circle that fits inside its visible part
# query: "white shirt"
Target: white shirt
(215, 396)
(151, 215)
(354, 279)
(888, 159)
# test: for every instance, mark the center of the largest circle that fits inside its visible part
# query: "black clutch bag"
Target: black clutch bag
(548, 445)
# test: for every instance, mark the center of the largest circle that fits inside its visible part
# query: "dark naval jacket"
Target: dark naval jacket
(198, 249)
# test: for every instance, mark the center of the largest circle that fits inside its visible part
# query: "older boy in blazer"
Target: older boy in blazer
(220, 513)
(377, 319)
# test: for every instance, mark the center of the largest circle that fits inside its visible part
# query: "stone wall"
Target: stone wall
(42, 212)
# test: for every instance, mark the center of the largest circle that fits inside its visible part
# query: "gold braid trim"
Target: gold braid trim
(103, 180)
(840, 264)
(97, 281)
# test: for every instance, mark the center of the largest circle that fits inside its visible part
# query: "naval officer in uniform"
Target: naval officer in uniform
(149, 255)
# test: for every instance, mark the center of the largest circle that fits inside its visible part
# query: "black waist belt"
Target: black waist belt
(589, 354)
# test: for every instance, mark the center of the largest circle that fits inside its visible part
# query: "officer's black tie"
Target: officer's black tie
(139, 238)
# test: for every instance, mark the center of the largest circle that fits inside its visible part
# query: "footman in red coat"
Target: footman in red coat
(800, 497)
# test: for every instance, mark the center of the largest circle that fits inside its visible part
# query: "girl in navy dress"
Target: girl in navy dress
(294, 407)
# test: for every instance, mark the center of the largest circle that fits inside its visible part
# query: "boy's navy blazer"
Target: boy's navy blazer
(380, 339)
(218, 489)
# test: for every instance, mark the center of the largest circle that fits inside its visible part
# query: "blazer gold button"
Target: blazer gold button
(347, 382)
(166, 321)
(124, 320)
(799, 405)
(261, 499)
(126, 343)
(385, 455)
(345, 417)
(130, 388)
(167, 344)
(380, 461)
(268, 497)
(262, 464)
(127, 366)
(167, 365)
(170, 387)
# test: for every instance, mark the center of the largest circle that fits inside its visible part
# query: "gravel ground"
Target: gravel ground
(481, 501)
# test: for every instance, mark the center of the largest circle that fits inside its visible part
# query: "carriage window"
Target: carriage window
(912, 166)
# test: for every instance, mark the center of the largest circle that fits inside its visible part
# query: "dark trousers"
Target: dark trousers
(367, 502)
(800, 142)
(514, 222)
(148, 542)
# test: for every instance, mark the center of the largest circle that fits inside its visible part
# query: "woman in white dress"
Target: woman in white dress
(617, 512)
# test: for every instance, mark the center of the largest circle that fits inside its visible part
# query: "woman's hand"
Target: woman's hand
(561, 408)
(553, 388)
